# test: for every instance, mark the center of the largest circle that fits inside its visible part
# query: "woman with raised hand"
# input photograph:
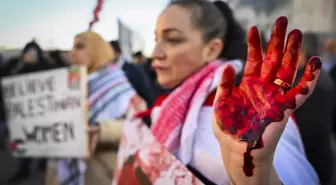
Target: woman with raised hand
(207, 127)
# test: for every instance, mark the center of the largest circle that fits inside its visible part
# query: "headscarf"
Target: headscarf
(99, 51)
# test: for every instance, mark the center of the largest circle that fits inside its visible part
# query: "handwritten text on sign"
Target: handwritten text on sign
(46, 113)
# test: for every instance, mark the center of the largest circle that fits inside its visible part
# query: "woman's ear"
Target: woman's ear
(213, 49)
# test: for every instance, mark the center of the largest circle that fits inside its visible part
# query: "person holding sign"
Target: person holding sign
(109, 96)
(32, 60)
(206, 130)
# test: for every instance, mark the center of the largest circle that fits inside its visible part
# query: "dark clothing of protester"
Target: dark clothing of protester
(1, 60)
(150, 75)
(332, 74)
(314, 119)
(9, 65)
(4, 71)
(58, 59)
(141, 81)
(40, 65)
(140, 76)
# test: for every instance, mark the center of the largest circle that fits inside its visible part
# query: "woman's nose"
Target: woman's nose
(158, 52)
(72, 57)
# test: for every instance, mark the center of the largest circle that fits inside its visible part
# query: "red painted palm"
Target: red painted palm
(264, 95)
(246, 110)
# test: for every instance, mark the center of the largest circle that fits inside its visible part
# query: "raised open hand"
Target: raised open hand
(264, 100)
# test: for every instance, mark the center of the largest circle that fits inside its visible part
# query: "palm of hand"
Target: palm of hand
(252, 106)
(260, 106)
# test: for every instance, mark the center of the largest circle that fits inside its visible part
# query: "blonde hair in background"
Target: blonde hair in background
(99, 52)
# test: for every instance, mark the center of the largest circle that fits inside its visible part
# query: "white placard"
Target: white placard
(47, 113)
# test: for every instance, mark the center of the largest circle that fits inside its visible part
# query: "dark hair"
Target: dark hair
(115, 45)
(138, 54)
(216, 20)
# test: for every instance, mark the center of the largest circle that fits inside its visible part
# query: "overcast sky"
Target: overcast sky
(55, 23)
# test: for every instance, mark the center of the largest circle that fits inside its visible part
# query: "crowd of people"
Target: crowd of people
(212, 95)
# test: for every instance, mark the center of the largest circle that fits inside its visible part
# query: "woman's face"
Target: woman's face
(179, 49)
(30, 56)
(79, 56)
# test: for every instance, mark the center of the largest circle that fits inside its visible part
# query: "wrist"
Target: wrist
(261, 176)
(258, 170)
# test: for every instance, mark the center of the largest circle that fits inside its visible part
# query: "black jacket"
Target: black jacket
(314, 119)
(143, 81)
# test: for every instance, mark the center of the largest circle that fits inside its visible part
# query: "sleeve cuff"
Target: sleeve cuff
(110, 131)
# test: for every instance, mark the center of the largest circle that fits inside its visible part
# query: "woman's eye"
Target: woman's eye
(79, 46)
(175, 40)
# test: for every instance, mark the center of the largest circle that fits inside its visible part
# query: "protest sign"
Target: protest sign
(46, 113)
(125, 40)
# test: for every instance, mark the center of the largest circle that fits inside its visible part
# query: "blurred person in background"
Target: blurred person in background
(154, 87)
(2, 115)
(9, 65)
(193, 48)
(3, 73)
(1, 60)
(314, 118)
(329, 65)
(118, 58)
(135, 74)
(58, 58)
(31, 60)
(138, 58)
(109, 97)
(329, 57)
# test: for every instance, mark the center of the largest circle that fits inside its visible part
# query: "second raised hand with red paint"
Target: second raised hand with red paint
(265, 92)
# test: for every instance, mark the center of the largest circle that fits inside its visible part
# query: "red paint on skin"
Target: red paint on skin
(254, 52)
(255, 112)
(248, 159)
(302, 88)
(289, 61)
(245, 111)
(274, 50)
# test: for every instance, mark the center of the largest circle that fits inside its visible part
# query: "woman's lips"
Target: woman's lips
(158, 68)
